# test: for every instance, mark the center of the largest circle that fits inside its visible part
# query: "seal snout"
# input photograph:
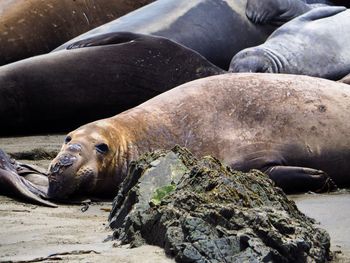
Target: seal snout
(255, 60)
(61, 182)
(63, 162)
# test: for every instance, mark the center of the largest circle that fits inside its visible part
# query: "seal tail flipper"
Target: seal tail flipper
(14, 184)
(321, 12)
(114, 38)
(293, 179)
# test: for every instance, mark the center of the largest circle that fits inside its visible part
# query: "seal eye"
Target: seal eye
(102, 148)
(67, 139)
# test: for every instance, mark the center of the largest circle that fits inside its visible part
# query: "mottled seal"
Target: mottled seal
(34, 27)
(62, 90)
(217, 29)
(293, 128)
(278, 11)
(313, 44)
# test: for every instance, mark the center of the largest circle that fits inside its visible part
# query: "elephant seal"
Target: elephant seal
(297, 140)
(62, 90)
(34, 27)
(278, 11)
(217, 29)
(313, 44)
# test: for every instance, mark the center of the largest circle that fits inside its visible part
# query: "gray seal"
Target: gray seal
(313, 44)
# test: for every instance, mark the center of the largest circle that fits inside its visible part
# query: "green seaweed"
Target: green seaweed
(160, 193)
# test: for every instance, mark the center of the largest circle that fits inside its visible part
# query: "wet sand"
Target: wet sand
(332, 212)
(39, 234)
(31, 233)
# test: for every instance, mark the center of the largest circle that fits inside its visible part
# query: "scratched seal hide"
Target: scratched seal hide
(313, 44)
(62, 90)
(34, 27)
(214, 28)
(291, 127)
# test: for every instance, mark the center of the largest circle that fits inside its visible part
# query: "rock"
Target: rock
(202, 211)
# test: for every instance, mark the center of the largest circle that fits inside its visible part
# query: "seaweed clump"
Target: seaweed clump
(202, 211)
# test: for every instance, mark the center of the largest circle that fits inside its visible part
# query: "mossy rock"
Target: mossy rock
(202, 211)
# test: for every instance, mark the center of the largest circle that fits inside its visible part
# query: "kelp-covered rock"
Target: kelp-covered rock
(201, 211)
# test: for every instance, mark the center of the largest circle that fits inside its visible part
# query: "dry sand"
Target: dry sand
(39, 234)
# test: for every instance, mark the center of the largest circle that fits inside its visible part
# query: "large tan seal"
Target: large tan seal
(34, 27)
(295, 128)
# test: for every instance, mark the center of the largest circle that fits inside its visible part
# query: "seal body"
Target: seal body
(34, 27)
(313, 44)
(215, 29)
(297, 140)
(80, 85)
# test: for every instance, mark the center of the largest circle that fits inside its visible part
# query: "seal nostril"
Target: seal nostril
(55, 168)
(67, 160)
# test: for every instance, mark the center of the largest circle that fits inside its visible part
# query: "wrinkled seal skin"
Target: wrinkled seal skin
(297, 140)
(80, 85)
(278, 11)
(23, 181)
(314, 44)
(34, 27)
(214, 28)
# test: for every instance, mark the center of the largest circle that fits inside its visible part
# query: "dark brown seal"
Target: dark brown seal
(34, 27)
(294, 128)
(62, 90)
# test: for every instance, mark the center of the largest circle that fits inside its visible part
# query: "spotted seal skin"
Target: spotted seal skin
(216, 29)
(34, 27)
(313, 44)
(300, 140)
(80, 85)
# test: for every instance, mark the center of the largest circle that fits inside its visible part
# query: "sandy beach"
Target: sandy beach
(31, 233)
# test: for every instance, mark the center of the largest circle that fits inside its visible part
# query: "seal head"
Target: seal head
(86, 164)
(256, 59)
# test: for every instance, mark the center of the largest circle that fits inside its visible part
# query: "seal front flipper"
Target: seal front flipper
(275, 11)
(114, 38)
(321, 12)
(293, 179)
